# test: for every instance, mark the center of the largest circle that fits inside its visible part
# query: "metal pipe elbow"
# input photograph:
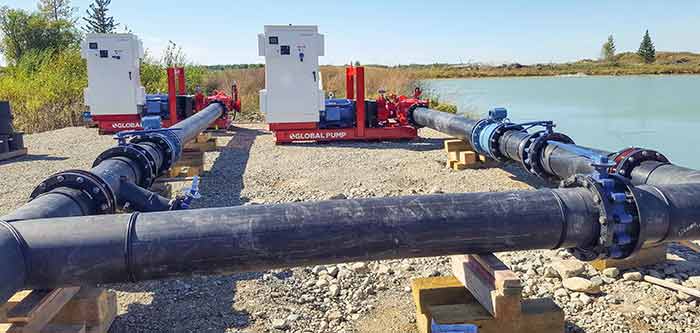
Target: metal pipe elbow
(13, 273)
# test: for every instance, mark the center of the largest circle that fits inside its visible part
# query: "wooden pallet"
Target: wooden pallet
(13, 154)
(60, 310)
(647, 256)
(486, 293)
(461, 156)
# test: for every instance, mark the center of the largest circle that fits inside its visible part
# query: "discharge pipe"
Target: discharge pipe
(548, 154)
(120, 175)
(121, 248)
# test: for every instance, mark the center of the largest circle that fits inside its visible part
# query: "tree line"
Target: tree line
(646, 51)
(53, 26)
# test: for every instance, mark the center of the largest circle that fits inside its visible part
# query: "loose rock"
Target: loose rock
(568, 268)
(632, 276)
(581, 285)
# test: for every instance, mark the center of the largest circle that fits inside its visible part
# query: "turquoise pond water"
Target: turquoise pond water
(657, 112)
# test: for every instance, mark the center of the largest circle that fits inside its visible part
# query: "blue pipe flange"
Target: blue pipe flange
(476, 135)
(487, 131)
(135, 153)
(89, 184)
(630, 158)
(619, 224)
(531, 151)
(488, 139)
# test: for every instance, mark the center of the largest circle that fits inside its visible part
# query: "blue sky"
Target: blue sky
(393, 32)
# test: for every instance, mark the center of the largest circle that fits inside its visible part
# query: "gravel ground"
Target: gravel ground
(356, 297)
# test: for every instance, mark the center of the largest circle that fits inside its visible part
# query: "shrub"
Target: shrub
(45, 90)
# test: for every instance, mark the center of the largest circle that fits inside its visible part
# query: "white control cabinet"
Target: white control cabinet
(114, 80)
(293, 87)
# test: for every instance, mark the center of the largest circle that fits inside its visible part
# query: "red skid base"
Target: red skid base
(117, 123)
(325, 135)
(127, 122)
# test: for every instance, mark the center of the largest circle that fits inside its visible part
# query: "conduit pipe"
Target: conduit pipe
(502, 140)
(119, 176)
(120, 248)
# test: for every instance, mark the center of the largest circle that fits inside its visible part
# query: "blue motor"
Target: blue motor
(339, 113)
(157, 105)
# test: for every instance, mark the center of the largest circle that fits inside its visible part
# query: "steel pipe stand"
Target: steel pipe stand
(461, 156)
(61, 310)
(647, 256)
(483, 292)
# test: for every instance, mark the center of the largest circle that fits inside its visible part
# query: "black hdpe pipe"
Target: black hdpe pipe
(510, 142)
(120, 248)
(119, 176)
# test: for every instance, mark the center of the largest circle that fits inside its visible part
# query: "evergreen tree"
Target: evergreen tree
(646, 49)
(97, 19)
(57, 9)
(608, 51)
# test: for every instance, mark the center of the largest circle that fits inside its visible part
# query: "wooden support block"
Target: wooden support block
(185, 171)
(12, 302)
(441, 290)
(493, 302)
(428, 292)
(647, 256)
(467, 157)
(452, 145)
(37, 309)
(203, 137)
(453, 156)
(690, 245)
(162, 188)
(95, 307)
(13, 154)
(493, 285)
(191, 158)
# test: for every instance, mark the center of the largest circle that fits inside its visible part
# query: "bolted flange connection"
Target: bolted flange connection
(101, 196)
(619, 222)
(630, 158)
(531, 151)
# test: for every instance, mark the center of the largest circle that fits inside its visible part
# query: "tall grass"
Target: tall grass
(252, 80)
(45, 90)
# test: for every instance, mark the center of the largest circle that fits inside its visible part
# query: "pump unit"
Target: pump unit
(293, 91)
(114, 94)
(294, 103)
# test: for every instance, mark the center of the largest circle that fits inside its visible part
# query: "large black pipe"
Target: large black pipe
(120, 248)
(119, 169)
(556, 161)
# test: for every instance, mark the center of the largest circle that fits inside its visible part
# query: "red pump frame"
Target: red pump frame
(355, 89)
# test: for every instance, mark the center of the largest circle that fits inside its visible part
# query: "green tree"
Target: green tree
(57, 9)
(608, 51)
(98, 21)
(24, 33)
(646, 49)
